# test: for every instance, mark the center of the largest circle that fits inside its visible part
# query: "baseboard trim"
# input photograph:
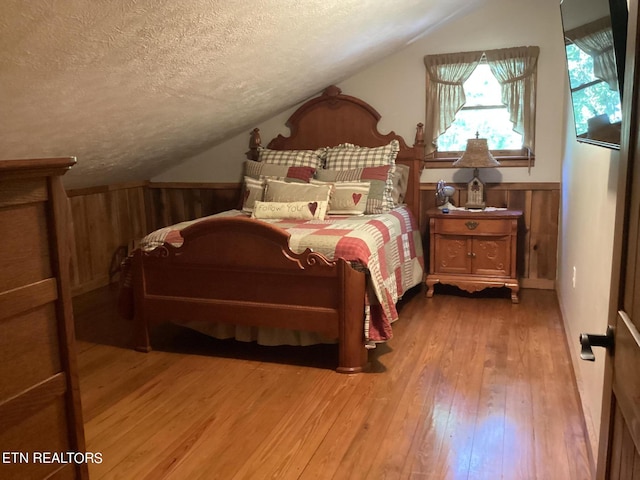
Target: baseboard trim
(538, 283)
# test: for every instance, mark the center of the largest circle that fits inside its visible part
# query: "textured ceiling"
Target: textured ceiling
(131, 87)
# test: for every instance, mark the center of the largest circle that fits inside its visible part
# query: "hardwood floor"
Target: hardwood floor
(468, 388)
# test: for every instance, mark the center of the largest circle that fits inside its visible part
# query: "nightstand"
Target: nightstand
(473, 250)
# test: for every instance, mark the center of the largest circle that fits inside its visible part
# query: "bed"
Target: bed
(258, 269)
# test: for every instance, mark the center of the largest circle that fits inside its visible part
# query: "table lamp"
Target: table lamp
(477, 155)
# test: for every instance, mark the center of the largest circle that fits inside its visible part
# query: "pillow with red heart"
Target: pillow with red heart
(308, 210)
(347, 198)
(377, 201)
(253, 191)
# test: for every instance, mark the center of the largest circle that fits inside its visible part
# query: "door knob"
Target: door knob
(588, 340)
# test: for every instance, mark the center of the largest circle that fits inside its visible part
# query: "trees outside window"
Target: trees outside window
(491, 92)
(592, 96)
(484, 113)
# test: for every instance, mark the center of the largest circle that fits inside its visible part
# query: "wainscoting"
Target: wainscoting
(107, 221)
(171, 203)
(538, 236)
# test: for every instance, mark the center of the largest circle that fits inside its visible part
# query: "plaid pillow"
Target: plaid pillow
(376, 176)
(293, 158)
(400, 183)
(348, 156)
(261, 170)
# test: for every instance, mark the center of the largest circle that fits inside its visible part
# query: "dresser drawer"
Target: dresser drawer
(468, 226)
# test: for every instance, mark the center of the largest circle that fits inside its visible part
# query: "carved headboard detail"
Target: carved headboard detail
(333, 118)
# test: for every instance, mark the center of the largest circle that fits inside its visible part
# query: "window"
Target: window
(484, 113)
(591, 52)
(492, 93)
(592, 96)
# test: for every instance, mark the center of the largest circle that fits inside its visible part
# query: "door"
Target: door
(618, 455)
(621, 458)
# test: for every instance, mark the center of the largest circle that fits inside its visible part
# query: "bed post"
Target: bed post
(352, 354)
(419, 140)
(255, 142)
(417, 163)
(141, 326)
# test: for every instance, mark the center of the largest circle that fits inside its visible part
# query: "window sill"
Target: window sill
(505, 161)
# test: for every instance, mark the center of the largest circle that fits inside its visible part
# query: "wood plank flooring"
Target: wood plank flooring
(468, 388)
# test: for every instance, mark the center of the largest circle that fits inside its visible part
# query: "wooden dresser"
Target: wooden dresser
(40, 412)
(473, 250)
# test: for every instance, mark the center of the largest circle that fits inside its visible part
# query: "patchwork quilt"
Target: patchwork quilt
(386, 246)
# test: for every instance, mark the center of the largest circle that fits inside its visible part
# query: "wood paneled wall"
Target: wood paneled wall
(538, 235)
(108, 220)
(170, 203)
(104, 219)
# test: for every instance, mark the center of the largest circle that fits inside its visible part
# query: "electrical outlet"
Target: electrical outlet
(573, 278)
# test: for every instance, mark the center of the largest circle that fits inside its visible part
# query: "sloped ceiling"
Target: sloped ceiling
(131, 87)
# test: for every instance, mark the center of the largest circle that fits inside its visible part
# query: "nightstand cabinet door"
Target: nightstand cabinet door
(454, 254)
(491, 256)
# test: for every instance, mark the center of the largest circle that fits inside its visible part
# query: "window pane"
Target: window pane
(493, 124)
(588, 103)
(594, 100)
(481, 89)
(580, 66)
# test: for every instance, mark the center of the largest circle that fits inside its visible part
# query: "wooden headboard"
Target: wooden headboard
(333, 118)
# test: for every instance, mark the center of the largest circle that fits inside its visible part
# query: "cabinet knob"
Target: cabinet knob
(471, 254)
(471, 225)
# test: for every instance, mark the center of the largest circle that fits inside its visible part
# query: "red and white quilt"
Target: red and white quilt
(387, 246)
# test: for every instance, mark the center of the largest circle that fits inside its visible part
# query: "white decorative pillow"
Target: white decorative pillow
(279, 191)
(293, 158)
(347, 198)
(315, 210)
(253, 192)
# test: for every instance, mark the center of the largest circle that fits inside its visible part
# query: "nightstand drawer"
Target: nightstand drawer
(479, 226)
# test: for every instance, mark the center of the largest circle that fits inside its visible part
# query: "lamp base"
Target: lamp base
(475, 206)
(475, 193)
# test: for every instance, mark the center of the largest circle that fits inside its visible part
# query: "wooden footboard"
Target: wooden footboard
(241, 271)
